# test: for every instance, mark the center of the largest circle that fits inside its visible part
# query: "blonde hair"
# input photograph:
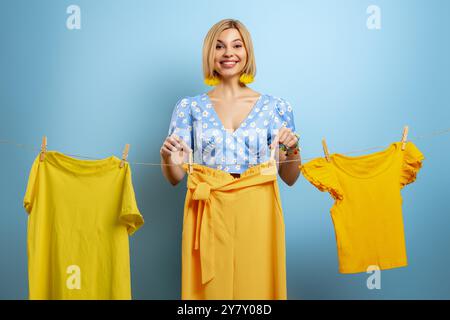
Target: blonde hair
(209, 46)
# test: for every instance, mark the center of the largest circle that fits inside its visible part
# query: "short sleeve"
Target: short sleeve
(181, 122)
(130, 215)
(412, 163)
(282, 116)
(30, 193)
(320, 173)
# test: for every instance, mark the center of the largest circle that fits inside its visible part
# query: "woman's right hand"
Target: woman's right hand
(175, 150)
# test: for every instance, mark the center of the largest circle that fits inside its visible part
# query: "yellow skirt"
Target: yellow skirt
(233, 239)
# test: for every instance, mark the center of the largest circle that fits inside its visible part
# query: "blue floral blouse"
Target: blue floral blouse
(195, 121)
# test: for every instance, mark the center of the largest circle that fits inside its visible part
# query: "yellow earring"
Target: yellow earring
(246, 78)
(212, 81)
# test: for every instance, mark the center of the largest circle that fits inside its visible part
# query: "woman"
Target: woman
(230, 129)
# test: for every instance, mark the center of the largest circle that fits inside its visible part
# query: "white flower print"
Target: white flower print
(251, 138)
(215, 124)
(205, 125)
(253, 124)
(276, 119)
(289, 108)
(197, 109)
(238, 167)
(205, 113)
(284, 123)
(226, 169)
(244, 124)
(211, 119)
(245, 133)
(265, 107)
(209, 106)
(266, 101)
(181, 114)
(266, 122)
(219, 166)
(241, 151)
(194, 103)
(261, 114)
(281, 112)
(184, 102)
(257, 110)
(184, 120)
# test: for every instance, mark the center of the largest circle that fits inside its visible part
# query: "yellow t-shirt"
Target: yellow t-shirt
(81, 213)
(367, 212)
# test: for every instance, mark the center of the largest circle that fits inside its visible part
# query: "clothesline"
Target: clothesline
(415, 138)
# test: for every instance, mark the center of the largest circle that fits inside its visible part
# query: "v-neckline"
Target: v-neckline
(243, 121)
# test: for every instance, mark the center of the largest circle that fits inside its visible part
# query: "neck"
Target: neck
(229, 87)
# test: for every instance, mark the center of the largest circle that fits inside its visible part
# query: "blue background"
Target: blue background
(117, 79)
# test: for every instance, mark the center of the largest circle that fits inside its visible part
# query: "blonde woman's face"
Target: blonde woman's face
(230, 54)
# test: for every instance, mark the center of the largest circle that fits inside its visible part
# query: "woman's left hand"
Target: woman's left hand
(286, 137)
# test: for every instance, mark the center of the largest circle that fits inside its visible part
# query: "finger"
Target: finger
(284, 136)
(295, 137)
(184, 146)
(169, 146)
(290, 138)
(164, 151)
(274, 142)
(175, 136)
(290, 141)
(174, 142)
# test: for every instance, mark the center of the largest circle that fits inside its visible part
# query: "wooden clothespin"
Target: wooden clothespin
(43, 148)
(271, 169)
(190, 161)
(272, 156)
(404, 137)
(325, 150)
(124, 155)
(273, 151)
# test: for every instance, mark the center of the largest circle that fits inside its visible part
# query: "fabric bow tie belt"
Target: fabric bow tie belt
(204, 186)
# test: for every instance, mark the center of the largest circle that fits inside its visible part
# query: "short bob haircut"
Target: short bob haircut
(209, 46)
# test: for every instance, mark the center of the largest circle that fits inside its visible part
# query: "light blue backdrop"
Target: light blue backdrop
(117, 79)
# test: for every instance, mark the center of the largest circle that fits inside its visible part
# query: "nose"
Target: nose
(228, 52)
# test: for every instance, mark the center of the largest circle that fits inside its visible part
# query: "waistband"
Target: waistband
(265, 168)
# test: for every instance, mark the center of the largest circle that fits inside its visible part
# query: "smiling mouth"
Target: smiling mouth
(229, 63)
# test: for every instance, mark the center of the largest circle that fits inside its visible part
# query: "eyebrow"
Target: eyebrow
(231, 41)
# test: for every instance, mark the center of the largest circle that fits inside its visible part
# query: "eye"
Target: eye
(218, 46)
(238, 46)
